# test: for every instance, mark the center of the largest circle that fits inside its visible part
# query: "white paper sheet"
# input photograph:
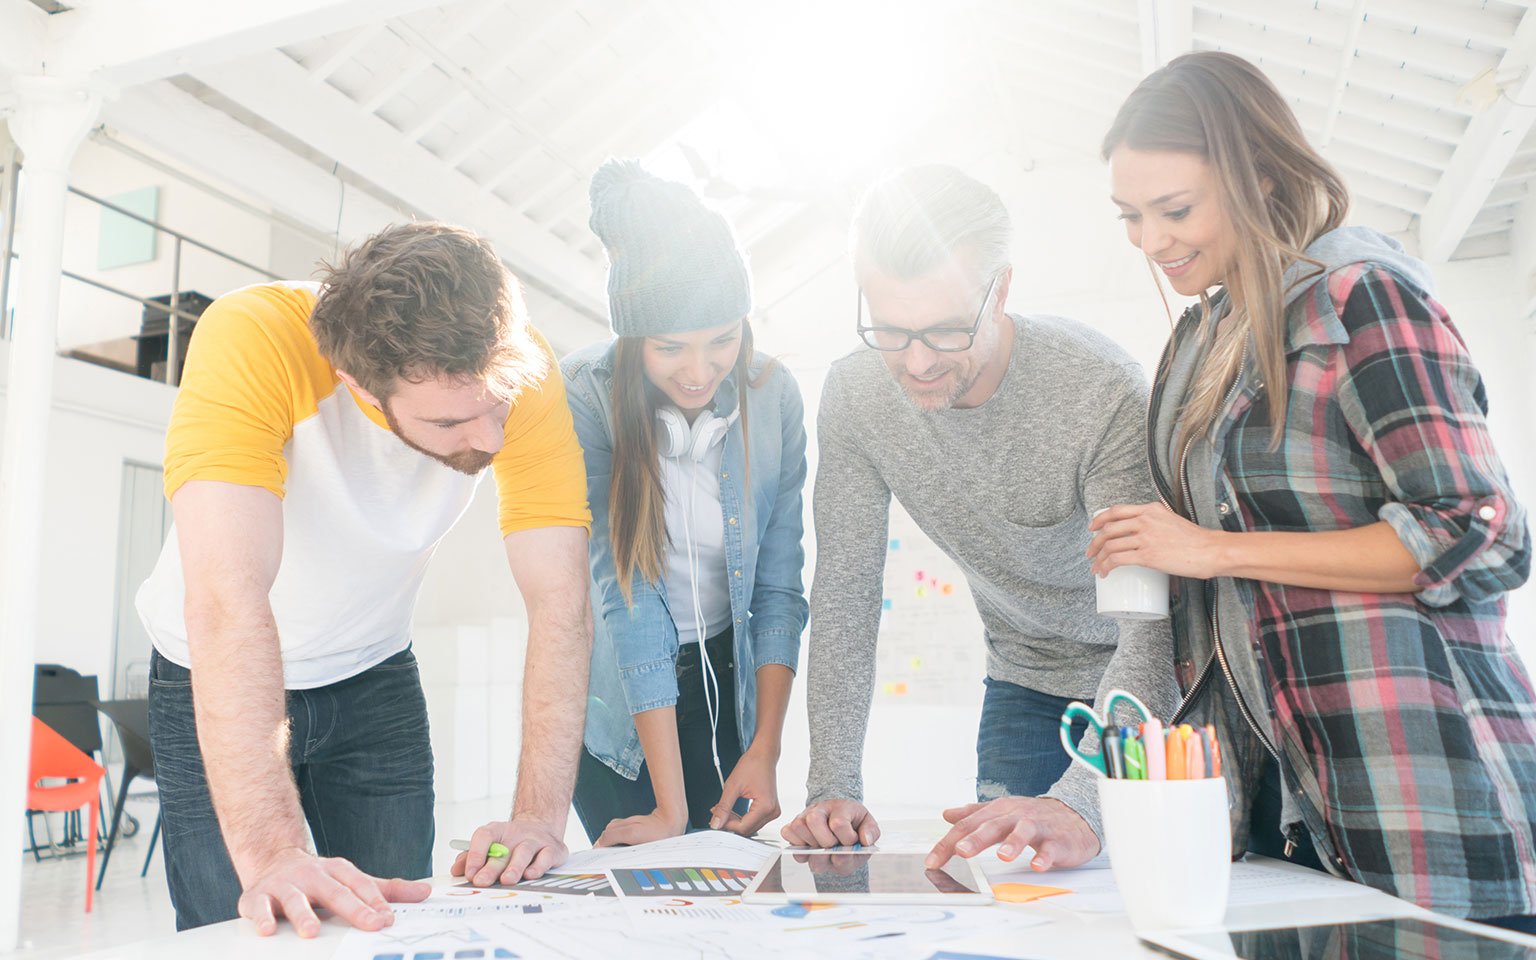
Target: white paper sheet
(1253, 884)
(713, 847)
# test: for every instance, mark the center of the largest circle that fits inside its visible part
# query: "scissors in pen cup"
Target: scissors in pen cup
(1097, 762)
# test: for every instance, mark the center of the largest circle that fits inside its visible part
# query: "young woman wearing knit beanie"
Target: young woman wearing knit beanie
(695, 451)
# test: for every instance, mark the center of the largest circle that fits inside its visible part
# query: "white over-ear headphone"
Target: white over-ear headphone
(680, 439)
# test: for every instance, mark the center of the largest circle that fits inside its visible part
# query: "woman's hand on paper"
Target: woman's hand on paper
(1151, 535)
(755, 778)
(657, 825)
(1058, 835)
(832, 823)
(533, 847)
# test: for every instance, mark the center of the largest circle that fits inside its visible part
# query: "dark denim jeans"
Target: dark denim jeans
(603, 794)
(362, 760)
(1018, 745)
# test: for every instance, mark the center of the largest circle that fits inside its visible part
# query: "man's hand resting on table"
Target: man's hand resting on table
(832, 823)
(533, 847)
(1058, 835)
(293, 882)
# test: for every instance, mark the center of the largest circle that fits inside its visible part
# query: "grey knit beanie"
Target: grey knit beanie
(673, 263)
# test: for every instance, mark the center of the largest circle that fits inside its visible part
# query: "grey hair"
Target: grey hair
(916, 218)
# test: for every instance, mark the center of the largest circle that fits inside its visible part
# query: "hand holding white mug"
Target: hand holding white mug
(1125, 589)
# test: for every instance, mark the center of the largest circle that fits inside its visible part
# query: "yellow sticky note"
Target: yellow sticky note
(1024, 892)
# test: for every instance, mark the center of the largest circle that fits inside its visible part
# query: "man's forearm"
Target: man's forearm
(554, 713)
(242, 731)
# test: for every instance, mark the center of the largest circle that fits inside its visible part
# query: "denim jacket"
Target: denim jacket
(634, 649)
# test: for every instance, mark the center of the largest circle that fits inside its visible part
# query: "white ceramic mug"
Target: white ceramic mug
(1132, 593)
(1170, 846)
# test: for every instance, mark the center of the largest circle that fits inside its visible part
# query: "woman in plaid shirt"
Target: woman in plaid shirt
(1340, 529)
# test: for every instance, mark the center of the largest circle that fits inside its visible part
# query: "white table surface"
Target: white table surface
(1069, 935)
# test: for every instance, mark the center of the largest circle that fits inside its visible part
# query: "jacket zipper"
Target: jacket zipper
(1218, 653)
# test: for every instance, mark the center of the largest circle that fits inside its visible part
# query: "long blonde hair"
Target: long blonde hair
(637, 525)
(1279, 194)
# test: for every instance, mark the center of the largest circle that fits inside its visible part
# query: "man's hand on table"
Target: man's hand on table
(533, 847)
(832, 823)
(1058, 835)
(293, 882)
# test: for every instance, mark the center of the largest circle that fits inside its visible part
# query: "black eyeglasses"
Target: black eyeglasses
(941, 339)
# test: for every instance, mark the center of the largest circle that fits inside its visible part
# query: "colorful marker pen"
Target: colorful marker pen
(496, 851)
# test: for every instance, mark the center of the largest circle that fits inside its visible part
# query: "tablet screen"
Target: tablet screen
(1400, 939)
(871, 872)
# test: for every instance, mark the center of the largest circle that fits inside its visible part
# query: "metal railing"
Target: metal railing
(173, 311)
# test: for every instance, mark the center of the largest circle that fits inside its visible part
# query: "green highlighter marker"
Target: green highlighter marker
(496, 851)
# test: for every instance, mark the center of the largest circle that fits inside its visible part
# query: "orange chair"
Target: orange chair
(53, 757)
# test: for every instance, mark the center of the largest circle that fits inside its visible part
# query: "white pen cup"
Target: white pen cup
(1132, 593)
(1170, 846)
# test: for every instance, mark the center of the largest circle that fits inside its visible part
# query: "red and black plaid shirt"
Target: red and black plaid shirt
(1412, 715)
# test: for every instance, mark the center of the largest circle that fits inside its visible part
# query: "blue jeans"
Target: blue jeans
(1018, 746)
(360, 756)
(603, 794)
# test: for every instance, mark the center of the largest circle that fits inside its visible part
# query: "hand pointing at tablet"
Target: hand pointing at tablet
(1058, 835)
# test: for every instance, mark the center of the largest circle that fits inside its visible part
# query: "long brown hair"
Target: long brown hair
(1279, 194)
(637, 526)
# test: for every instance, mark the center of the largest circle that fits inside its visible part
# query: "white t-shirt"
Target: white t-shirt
(696, 485)
(259, 406)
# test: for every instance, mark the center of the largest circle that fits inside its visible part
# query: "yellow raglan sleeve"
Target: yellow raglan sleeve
(541, 479)
(236, 407)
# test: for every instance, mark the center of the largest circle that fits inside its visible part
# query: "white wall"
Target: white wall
(88, 315)
(101, 419)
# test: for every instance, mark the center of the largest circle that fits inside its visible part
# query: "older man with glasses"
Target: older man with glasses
(1000, 435)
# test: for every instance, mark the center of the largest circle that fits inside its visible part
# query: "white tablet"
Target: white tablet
(1398, 938)
(866, 876)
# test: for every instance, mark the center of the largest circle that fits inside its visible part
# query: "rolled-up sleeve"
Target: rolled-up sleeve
(1417, 406)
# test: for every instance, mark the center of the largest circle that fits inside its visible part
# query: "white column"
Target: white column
(51, 117)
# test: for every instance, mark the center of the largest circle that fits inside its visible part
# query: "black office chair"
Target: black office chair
(65, 700)
(131, 718)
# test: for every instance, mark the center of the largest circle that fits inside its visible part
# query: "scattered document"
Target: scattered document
(715, 847)
(1091, 888)
(693, 918)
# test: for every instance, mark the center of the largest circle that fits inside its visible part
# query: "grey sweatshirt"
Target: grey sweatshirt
(1006, 490)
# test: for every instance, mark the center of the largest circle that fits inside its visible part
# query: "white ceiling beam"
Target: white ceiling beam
(23, 35)
(1492, 140)
(1373, 186)
(280, 91)
(1259, 45)
(182, 128)
(1315, 25)
(533, 34)
(128, 42)
(1341, 78)
(511, 114)
(1483, 26)
(1398, 168)
(423, 60)
(331, 60)
(1167, 30)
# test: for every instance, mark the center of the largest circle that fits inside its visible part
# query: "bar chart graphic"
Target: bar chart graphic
(682, 881)
(581, 884)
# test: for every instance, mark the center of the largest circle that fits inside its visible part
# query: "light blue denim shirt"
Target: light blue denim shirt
(634, 648)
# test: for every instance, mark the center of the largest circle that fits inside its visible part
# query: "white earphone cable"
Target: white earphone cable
(711, 706)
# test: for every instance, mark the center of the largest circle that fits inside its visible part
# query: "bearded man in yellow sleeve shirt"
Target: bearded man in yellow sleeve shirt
(326, 436)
